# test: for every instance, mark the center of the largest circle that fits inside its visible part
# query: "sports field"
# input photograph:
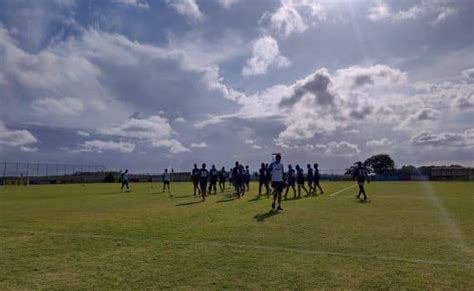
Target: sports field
(408, 235)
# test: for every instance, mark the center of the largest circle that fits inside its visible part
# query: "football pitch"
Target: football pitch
(408, 235)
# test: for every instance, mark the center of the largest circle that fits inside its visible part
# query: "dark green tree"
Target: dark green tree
(110, 178)
(380, 164)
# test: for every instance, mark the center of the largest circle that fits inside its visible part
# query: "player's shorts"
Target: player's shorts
(291, 182)
(125, 183)
(196, 181)
(300, 181)
(277, 186)
(360, 183)
(316, 181)
(203, 184)
(166, 182)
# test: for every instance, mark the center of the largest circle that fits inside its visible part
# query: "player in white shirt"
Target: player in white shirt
(277, 173)
(166, 181)
(124, 179)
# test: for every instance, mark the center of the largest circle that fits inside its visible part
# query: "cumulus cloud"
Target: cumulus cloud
(134, 3)
(427, 138)
(265, 53)
(342, 148)
(378, 11)
(463, 101)
(188, 8)
(83, 133)
(26, 149)
(358, 76)
(227, 3)
(155, 130)
(199, 145)
(62, 106)
(15, 138)
(468, 73)
(100, 146)
(384, 142)
(294, 16)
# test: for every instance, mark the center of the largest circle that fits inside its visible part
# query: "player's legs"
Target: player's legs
(319, 186)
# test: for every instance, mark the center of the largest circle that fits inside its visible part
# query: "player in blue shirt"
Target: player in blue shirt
(166, 180)
(361, 175)
(262, 180)
(291, 182)
(124, 179)
(195, 175)
(213, 175)
(310, 178)
(317, 176)
(203, 178)
(277, 175)
(247, 177)
(222, 178)
(237, 177)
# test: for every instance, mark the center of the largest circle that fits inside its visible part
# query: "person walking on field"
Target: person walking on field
(213, 175)
(166, 181)
(203, 178)
(291, 182)
(317, 177)
(222, 178)
(300, 180)
(195, 174)
(361, 175)
(310, 178)
(277, 176)
(262, 180)
(124, 179)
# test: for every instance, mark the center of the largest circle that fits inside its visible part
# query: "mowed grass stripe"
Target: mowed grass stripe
(241, 246)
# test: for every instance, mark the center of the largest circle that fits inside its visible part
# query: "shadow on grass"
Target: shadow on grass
(262, 216)
(228, 199)
(361, 201)
(189, 203)
(185, 196)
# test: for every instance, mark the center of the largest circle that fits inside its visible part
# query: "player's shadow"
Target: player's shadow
(185, 196)
(361, 201)
(262, 216)
(228, 198)
(189, 203)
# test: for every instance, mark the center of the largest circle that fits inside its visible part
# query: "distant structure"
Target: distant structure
(452, 173)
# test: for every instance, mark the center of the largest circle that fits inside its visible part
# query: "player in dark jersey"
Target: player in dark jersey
(247, 177)
(291, 178)
(213, 176)
(361, 175)
(268, 181)
(242, 180)
(317, 176)
(222, 178)
(203, 178)
(195, 175)
(237, 179)
(300, 180)
(166, 181)
(262, 180)
(231, 179)
(310, 178)
(124, 179)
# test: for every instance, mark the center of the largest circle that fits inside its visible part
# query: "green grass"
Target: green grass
(409, 235)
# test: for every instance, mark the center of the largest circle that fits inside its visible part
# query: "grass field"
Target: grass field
(409, 235)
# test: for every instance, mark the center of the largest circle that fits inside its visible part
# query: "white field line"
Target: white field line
(245, 247)
(340, 191)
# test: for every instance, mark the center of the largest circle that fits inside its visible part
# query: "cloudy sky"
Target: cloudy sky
(148, 84)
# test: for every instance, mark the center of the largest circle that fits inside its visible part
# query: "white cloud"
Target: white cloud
(384, 142)
(265, 53)
(61, 106)
(155, 130)
(342, 148)
(134, 3)
(199, 145)
(227, 3)
(15, 138)
(468, 73)
(295, 16)
(378, 11)
(180, 120)
(427, 138)
(83, 133)
(100, 146)
(28, 149)
(187, 8)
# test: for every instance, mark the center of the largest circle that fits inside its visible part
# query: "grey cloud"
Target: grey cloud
(362, 113)
(465, 138)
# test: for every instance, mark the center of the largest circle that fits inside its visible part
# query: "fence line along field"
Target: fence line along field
(84, 236)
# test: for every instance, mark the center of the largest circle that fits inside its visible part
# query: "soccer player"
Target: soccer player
(231, 178)
(213, 175)
(203, 177)
(360, 175)
(291, 182)
(268, 180)
(310, 178)
(196, 176)
(237, 179)
(124, 179)
(277, 176)
(316, 179)
(247, 177)
(166, 180)
(262, 180)
(300, 180)
(222, 178)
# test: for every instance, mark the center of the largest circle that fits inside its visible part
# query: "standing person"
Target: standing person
(310, 178)
(277, 174)
(317, 176)
(124, 179)
(242, 180)
(231, 178)
(203, 177)
(268, 180)
(213, 175)
(291, 182)
(247, 177)
(360, 175)
(300, 180)
(195, 174)
(166, 180)
(262, 179)
(222, 176)
(237, 179)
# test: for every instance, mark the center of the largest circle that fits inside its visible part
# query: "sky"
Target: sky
(150, 84)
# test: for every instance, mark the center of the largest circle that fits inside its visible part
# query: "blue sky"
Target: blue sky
(151, 84)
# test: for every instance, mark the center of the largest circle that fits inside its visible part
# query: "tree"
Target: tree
(380, 164)
(109, 178)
